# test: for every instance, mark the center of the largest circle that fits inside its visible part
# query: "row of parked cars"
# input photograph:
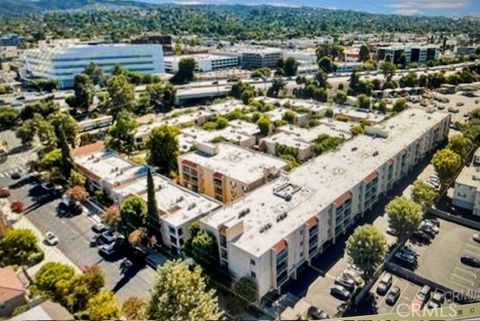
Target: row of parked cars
(346, 283)
(424, 298)
(427, 231)
(105, 239)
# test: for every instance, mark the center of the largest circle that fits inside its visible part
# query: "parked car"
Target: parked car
(470, 260)
(428, 231)
(99, 228)
(408, 250)
(340, 292)
(385, 284)
(346, 282)
(435, 301)
(51, 238)
(433, 221)
(460, 103)
(430, 227)
(316, 314)
(405, 258)
(107, 249)
(16, 175)
(424, 294)
(393, 295)
(108, 237)
(453, 110)
(476, 237)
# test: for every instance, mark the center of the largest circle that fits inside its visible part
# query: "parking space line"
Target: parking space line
(463, 278)
(475, 276)
(470, 252)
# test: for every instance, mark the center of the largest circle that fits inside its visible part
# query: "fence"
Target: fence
(453, 218)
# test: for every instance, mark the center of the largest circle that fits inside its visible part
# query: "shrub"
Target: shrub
(17, 206)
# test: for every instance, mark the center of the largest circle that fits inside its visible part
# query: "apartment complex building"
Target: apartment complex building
(203, 62)
(466, 193)
(267, 235)
(178, 207)
(62, 63)
(412, 53)
(226, 171)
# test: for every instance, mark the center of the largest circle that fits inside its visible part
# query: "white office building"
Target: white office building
(269, 233)
(466, 193)
(64, 62)
(203, 63)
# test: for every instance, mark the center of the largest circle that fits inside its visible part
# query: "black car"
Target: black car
(347, 283)
(340, 292)
(393, 295)
(421, 236)
(470, 260)
(16, 175)
(99, 228)
(316, 314)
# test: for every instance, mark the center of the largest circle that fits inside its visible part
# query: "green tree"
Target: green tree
(446, 163)
(187, 299)
(67, 161)
(205, 249)
(121, 93)
(8, 117)
(18, 247)
(321, 78)
(388, 70)
(460, 144)
(410, 80)
(367, 247)
(363, 101)
(290, 67)
(423, 194)
(133, 212)
(84, 92)
(121, 133)
(162, 95)
(247, 291)
(364, 54)
(68, 123)
(326, 65)
(51, 164)
(162, 148)
(95, 72)
(404, 217)
(356, 130)
(290, 116)
(185, 73)
(340, 97)
(399, 105)
(264, 125)
(247, 96)
(278, 84)
(103, 306)
(152, 209)
(76, 179)
(48, 277)
(26, 132)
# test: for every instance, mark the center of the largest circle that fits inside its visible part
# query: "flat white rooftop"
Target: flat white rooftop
(178, 205)
(110, 167)
(198, 135)
(372, 117)
(238, 163)
(245, 127)
(289, 140)
(312, 133)
(198, 57)
(318, 183)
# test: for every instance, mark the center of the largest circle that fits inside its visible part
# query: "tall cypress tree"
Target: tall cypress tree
(67, 161)
(152, 214)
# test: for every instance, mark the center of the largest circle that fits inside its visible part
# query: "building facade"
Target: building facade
(64, 62)
(267, 235)
(413, 54)
(204, 63)
(466, 193)
(225, 171)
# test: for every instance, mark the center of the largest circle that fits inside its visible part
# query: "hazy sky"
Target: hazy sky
(408, 7)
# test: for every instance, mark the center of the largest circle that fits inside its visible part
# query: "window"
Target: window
(254, 276)
(180, 231)
(171, 230)
(252, 261)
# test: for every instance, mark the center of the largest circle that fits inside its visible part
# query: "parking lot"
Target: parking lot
(408, 291)
(439, 261)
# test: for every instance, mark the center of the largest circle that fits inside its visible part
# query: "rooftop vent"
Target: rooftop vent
(281, 217)
(354, 149)
(375, 153)
(243, 212)
(265, 227)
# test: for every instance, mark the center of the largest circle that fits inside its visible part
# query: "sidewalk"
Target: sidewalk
(52, 253)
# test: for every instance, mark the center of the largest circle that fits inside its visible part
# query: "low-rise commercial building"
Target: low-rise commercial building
(267, 235)
(95, 123)
(62, 63)
(203, 63)
(225, 171)
(413, 53)
(252, 57)
(466, 193)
